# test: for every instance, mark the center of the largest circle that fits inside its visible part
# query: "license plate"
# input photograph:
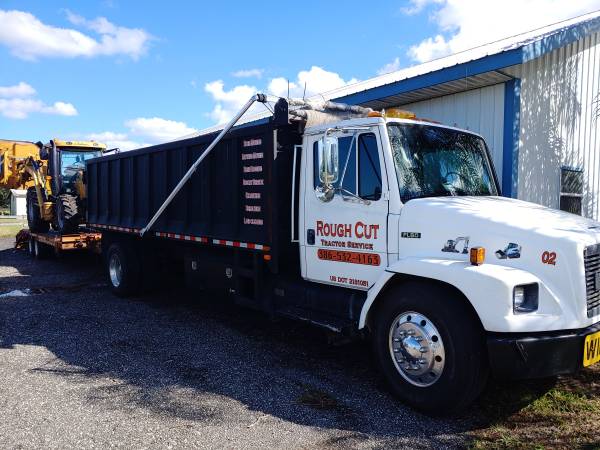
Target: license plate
(591, 349)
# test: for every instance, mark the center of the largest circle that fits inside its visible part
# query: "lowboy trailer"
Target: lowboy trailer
(373, 224)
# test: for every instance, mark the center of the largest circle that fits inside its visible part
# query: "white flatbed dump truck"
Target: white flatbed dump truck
(373, 224)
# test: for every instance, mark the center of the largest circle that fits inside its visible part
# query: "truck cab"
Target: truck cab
(459, 281)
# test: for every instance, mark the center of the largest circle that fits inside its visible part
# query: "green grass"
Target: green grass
(10, 230)
(543, 414)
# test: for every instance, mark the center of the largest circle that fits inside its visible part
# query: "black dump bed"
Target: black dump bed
(240, 192)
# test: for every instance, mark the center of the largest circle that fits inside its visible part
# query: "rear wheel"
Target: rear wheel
(430, 348)
(123, 269)
(67, 213)
(34, 217)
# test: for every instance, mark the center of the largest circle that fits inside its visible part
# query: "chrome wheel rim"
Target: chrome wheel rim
(115, 270)
(417, 349)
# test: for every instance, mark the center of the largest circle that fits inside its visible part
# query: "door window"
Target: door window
(360, 170)
(369, 170)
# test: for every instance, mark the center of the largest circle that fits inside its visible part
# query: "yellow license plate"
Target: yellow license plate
(591, 349)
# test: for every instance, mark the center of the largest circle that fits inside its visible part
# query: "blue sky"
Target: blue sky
(133, 72)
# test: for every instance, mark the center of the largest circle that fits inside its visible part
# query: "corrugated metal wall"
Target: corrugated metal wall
(559, 123)
(478, 110)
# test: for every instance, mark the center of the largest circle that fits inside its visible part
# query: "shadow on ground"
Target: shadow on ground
(177, 354)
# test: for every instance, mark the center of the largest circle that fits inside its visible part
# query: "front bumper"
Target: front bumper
(537, 355)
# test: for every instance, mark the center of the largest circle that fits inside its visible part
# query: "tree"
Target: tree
(4, 198)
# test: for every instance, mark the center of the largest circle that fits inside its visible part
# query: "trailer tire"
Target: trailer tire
(67, 217)
(35, 222)
(430, 348)
(41, 251)
(123, 269)
(30, 247)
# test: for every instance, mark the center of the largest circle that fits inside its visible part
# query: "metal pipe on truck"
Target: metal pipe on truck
(262, 98)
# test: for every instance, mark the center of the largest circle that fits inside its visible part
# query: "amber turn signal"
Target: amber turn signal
(477, 256)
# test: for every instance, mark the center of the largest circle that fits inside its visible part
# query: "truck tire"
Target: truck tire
(430, 348)
(34, 218)
(123, 269)
(67, 214)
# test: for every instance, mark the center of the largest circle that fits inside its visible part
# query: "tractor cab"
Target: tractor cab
(66, 163)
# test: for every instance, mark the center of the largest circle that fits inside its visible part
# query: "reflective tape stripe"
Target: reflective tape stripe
(187, 237)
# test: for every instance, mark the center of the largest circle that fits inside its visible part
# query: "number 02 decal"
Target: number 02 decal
(549, 258)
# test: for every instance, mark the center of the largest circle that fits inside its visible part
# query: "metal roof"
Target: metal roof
(470, 69)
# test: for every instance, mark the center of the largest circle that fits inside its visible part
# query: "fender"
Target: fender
(489, 289)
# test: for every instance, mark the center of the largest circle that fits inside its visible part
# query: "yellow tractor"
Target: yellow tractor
(54, 176)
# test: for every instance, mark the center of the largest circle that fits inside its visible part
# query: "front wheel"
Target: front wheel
(35, 221)
(67, 216)
(430, 348)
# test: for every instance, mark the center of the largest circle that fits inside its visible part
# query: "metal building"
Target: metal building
(535, 97)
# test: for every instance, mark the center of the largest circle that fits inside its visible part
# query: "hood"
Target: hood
(544, 242)
(504, 215)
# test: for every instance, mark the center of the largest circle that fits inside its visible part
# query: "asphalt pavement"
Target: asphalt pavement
(81, 368)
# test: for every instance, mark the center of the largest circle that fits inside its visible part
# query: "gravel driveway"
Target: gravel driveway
(83, 368)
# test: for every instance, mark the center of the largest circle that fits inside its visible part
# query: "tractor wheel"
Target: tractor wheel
(34, 217)
(67, 214)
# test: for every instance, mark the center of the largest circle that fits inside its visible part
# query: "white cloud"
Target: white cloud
(390, 67)
(150, 131)
(229, 102)
(155, 129)
(116, 140)
(17, 102)
(61, 108)
(29, 38)
(465, 24)
(249, 73)
(20, 108)
(18, 90)
(416, 6)
(317, 80)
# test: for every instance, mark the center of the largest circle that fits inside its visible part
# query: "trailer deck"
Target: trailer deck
(84, 240)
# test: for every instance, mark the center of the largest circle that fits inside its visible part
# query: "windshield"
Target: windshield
(433, 162)
(73, 161)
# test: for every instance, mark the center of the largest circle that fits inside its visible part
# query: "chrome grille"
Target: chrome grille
(591, 257)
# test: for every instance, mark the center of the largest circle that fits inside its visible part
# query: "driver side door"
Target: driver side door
(345, 238)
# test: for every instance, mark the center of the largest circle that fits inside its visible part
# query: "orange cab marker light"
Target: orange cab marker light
(267, 257)
(477, 256)
(395, 113)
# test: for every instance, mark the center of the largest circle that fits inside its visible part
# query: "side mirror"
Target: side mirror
(328, 160)
(328, 168)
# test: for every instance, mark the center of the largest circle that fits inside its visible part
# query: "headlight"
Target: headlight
(525, 298)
